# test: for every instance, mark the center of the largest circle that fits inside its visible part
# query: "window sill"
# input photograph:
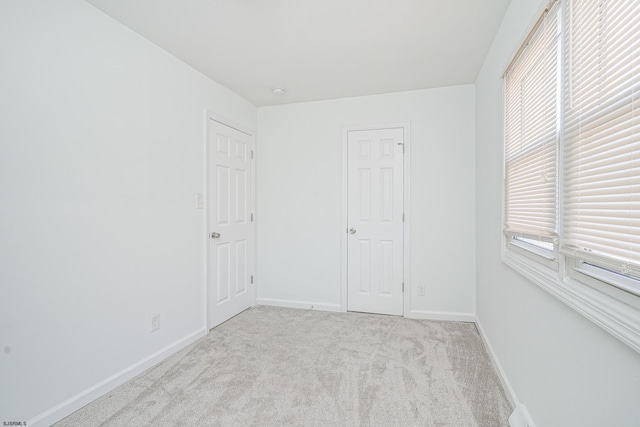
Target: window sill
(619, 319)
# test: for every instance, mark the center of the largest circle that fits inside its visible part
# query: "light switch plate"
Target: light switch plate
(155, 322)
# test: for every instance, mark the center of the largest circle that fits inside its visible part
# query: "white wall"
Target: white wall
(565, 369)
(299, 196)
(101, 144)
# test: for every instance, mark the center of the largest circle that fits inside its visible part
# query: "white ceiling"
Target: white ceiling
(319, 49)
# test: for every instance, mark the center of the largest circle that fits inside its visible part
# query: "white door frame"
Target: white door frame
(208, 115)
(406, 270)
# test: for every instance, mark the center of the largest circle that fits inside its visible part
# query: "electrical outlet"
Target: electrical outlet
(199, 201)
(155, 322)
(421, 291)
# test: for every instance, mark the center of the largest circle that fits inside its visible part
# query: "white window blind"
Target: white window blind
(601, 190)
(531, 134)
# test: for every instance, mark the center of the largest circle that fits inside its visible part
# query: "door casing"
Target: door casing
(406, 207)
(208, 115)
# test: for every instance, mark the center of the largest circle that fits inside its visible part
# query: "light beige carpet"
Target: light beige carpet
(281, 367)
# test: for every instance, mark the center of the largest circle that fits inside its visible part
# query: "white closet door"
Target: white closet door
(375, 221)
(230, 222)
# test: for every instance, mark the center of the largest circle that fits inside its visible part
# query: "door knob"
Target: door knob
(352, 230)
(215, 235)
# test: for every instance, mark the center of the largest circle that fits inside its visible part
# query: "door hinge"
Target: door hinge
(401, 143)
(251, 217)
(252, 280)
(252, 154)
(402, 216)
(402, 286)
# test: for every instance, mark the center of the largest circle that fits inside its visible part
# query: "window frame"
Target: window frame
(550, 260)
(601, 296)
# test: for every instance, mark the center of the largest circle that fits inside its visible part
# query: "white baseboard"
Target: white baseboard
(511, 394)
(520, 416)
(81, 399)
(441, 315)
(298, 304)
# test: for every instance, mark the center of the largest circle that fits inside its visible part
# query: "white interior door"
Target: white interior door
(231, 245)
(375, 221)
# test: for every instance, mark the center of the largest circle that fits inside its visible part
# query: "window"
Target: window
(601, 201)
(531, 140)
(572, 158)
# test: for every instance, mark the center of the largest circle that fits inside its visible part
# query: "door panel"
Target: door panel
(231, 245)
(241, 196)
(241, 266)
(222, 196)
(374, 214)
(364, 253)
(223, 261)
